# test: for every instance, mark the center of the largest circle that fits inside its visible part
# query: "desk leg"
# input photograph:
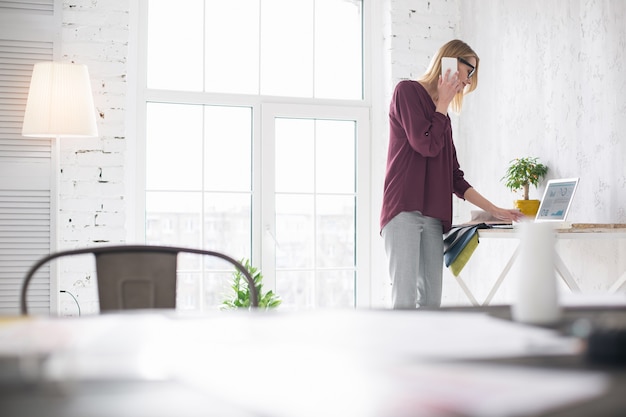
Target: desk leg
(503, 274)
(466, 290)
(565, 274)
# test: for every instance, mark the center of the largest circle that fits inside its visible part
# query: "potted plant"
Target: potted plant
(240, 294)
(521, 173)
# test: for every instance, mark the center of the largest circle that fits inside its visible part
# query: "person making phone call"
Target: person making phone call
(422, 174)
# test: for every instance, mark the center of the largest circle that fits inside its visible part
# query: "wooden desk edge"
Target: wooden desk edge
(612, 228)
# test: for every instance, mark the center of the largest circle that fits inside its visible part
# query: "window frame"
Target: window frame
(360, 114)
(262, 107)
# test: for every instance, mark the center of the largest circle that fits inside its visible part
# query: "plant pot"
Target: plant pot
(527, 207)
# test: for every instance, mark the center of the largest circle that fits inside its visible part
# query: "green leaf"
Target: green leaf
(240, 295)
(524, 171)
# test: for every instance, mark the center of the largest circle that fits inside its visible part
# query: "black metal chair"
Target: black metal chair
(135, 276)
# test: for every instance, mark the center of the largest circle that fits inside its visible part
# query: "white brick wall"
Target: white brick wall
(419, 28)
(92, 199)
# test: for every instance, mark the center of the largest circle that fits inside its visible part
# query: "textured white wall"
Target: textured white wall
(551, 85)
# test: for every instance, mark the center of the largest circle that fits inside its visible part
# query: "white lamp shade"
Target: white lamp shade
(60, 102)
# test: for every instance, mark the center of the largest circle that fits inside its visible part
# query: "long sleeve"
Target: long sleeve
(426, 133)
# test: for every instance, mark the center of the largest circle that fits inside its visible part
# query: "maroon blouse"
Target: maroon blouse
(422, 168)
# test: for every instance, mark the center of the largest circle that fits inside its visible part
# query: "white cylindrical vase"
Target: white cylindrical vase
(536, 294)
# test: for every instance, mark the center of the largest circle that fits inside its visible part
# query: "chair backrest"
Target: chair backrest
(135, 276)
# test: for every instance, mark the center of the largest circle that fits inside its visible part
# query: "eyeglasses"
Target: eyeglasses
(473, 68)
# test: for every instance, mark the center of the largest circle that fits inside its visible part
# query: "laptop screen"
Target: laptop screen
(557, 199)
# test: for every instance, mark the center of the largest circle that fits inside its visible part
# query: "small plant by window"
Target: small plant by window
(239, 297)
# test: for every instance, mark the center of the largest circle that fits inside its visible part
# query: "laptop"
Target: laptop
(555, 203)
(557, 200)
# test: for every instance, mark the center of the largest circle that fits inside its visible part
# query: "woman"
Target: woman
(422, 174)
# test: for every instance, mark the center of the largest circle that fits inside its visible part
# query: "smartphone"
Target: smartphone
(448, 63)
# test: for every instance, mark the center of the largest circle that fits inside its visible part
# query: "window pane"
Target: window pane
(220, 221)
(300, 290)
(335, 289)
(175, 45)
(335, 227)
(203, 282)
(197, 291)
(232, 46)
(187, 290)
(296, 289)
(287, 48)
(228, 224)
(295, 235)
(174, 218)
(335, 156)
(173, 147)
(295, 149)
(338, 49)
(216, 288)
(316, 209)
(228, 148)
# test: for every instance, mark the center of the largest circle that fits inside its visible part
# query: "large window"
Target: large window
(255, 144)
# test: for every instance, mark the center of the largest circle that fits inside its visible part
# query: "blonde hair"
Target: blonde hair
(454, 49)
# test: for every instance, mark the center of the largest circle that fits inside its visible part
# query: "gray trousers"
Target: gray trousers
(414, 246)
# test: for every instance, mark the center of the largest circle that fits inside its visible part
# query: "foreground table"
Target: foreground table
(379, 363)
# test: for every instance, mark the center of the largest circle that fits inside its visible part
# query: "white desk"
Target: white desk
(577, 231)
